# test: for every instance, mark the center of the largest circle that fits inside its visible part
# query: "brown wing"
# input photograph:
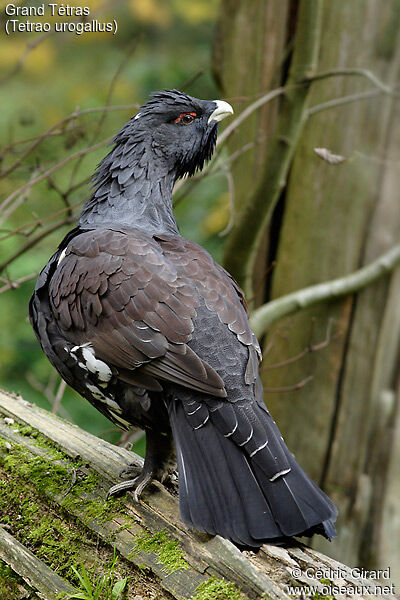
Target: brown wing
(219, 290)
(121, 295)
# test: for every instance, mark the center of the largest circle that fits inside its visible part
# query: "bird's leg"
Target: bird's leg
(159, 463)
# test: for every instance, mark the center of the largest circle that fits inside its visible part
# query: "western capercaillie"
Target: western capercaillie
(146, 326)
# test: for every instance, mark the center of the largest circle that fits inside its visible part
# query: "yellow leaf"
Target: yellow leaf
(196, 11)
(218, 218)
(40, 59)
(152, 12)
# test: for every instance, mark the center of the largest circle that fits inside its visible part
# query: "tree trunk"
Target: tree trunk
(329, 221)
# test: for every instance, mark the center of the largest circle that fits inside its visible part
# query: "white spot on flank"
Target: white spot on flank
(98, 367)
(120, 420)
(62, 255)
(75, 348)
(98, 394)
(137, 116)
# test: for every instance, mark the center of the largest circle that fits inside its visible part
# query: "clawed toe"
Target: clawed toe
(137, 485)
(121, 487)
(159, 464)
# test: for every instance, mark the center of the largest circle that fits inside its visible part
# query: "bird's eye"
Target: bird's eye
(186, 118)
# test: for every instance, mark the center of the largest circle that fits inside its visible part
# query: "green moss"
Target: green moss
(40, 441)
(217, 589)
(28, 431)
(27, 490)
(40, 529)
(166, 549)
(54, 478)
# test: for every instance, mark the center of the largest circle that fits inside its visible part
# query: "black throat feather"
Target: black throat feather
(134, 182)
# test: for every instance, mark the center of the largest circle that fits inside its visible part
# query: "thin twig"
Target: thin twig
(38, 222)
(32, 242)
(214, 167)
(262, 281)
(20, 199)
(110, 92)
(307, 350)
(343, 100)
(13, 285)
(231, 190)
(349, 72)
(290, 388)
(191, 79)
(53, 131)
(52, 170)
(22, 59)
(252, 108)
(47, 389)
(59, 396)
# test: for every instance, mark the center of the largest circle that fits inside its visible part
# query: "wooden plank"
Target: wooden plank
(33, 571)
(203, 553)
(268, 572)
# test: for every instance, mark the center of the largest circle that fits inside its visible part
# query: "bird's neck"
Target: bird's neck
(133, 188)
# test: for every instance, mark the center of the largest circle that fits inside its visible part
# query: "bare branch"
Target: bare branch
(59, 396)
(53, 131)
(48, 390)
(32, 242)
(386, 89)
(191, 79)
(252, 108)
(307, 350)
(214, 167)
(110, 92)
(231, 188)
(382, 88)
(290, 388)
(264, 316)
(22, 59)
(13, 285)
(50, 171)
(343, 100)
(39, 222)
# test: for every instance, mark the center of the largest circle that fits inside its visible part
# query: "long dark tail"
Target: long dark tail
(223, 491)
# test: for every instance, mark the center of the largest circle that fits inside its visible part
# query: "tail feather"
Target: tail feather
(218, 492)
(222, 490)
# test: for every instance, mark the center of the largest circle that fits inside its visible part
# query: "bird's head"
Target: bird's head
(180, 130)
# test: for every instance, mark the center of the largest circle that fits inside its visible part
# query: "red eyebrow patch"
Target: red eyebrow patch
(179, 119)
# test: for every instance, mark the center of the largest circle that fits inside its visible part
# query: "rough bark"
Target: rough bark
(243, 244)
(245, 72)
(334, 219)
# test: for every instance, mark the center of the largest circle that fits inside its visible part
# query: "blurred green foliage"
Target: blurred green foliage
(62, 73)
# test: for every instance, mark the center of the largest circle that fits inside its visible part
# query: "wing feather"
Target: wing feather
(119, 293)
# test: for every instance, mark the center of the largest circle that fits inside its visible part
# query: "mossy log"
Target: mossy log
(54, 518)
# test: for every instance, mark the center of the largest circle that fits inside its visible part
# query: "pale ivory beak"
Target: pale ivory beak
(223, 110)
